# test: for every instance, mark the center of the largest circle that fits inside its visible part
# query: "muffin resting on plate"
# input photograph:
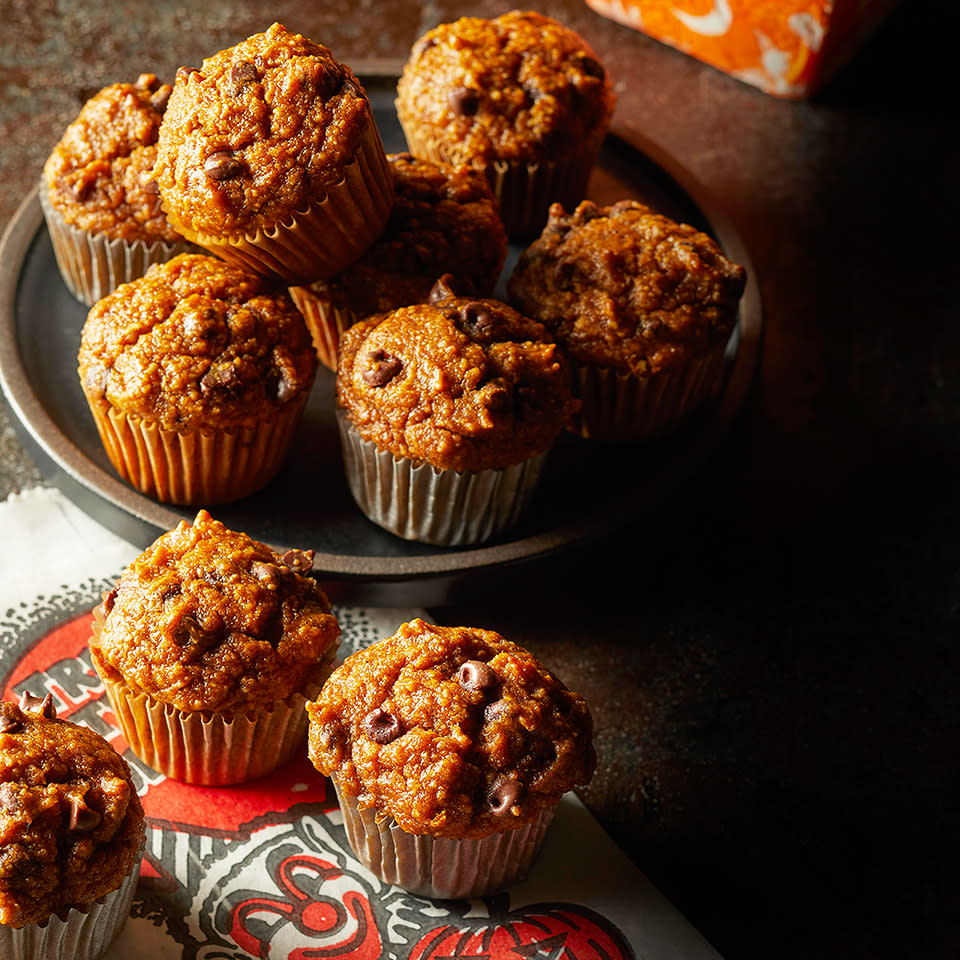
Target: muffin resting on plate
(98, 193)
(521, 97)
(447, 410)
(444, 220)
(71, 832)
(196, 375)
(643, 305)
(449, 748)
(269, 156)
(209, 646)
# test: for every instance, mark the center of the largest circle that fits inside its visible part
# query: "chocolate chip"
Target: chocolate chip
(109, 598)
(266, 572)
(183, 73)
(592, 67)
(587, 211)
(42, 705)
(222, 166)
(442, 289)
(624, 206)
(385, 367)
(477, 675)
(475, 319)
(381, 726)
(463, 101)
(243, 72)
(223, 376)
(82, 818)
(503, 795)
(160, 97)
(9, 797)
(350, 89)
(299, 561)
(9, 722)
(149, 186)
(493, 711)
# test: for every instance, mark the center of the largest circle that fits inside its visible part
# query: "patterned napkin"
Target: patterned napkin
(264, 870)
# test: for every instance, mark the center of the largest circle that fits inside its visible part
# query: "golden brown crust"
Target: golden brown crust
(461, 384)
(71, 824)
(209, 619)
(444, 220)
(518, 87)
(196, 343)
(434, 725)
(257, 133)
(100, 177)
(625, 287)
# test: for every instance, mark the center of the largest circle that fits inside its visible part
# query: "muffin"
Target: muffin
(449, 748)
(444, 220)
(196, 375)
(98, 194)
(644, 306)
(447, 410)
(521, 97)
(209, 646)
(269, 156)
(71, 832)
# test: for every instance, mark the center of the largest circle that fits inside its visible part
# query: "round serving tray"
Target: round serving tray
(588, 490)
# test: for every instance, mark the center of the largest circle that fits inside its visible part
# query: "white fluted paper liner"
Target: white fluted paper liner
(619, 406)
(325, 321)
(197, 467)
(210, 748)
(416, 501)
(440, 867)
(328, 233)
(92, 265)
(84, 933)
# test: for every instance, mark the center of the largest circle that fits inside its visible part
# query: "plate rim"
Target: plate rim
(79, 477)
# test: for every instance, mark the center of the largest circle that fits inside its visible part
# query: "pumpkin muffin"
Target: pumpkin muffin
(521, 97)
(444, 220)
(209, 646)
(449, 748)
(643, 305)
(71, 832)
(269, 156)
(447, 410)
(98, 193)
(196, 374)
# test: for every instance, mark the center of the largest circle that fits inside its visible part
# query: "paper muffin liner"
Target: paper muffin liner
(524, 190)
(215, 749)
(618, 406)
(327, 234)
(325, 321)
(84, 933)
(197, 467)
(416, 501)
(444, 868)
(92, 265)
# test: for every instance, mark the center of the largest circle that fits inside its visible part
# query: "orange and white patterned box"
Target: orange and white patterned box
(787, 48)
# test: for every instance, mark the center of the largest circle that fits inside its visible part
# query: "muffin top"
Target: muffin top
(196, 342)
(518, 87)
(210, 619)
(452, 731)
(71, 824)
(444, 220)
(256, 133)
(625, 287)
(459, 383)
(100, 177)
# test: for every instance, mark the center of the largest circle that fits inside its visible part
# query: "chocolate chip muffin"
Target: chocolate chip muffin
(269, 156)
(521, 97)
(444, 220)
(98, 192)
(644, 306)
(196, 374)
(450, 748)
(209, 645)
(71, 832)
(447, 410)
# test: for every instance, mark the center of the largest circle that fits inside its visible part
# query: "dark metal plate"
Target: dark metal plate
(588, 489)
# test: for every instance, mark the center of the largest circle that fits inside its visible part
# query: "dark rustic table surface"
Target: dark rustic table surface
(771, 654)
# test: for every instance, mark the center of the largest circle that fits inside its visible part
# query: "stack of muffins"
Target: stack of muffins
(312, 246)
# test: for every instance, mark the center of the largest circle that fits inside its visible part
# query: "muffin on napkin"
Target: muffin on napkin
(71, 833)
(98, 193)
(449, 748)
(269, 156)
(209, 646)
